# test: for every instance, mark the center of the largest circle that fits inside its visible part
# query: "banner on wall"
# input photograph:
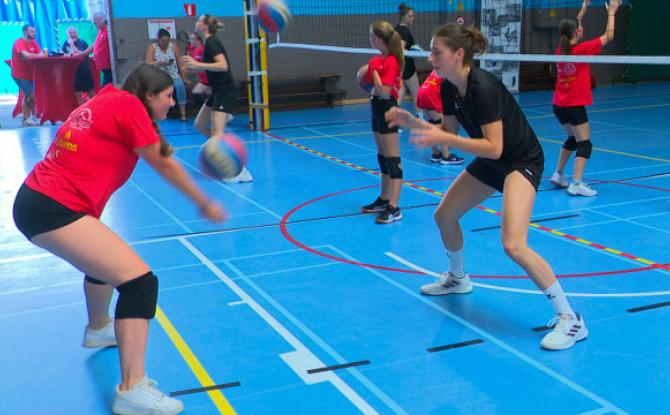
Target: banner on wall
(154, 25)
(501, 23)
(189, 9)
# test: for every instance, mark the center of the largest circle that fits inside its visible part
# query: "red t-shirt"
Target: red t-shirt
(573, 82)
(101, 50)
(196, 53)
(428, 97)
(93, 154)
(389, 71)
(21, 67)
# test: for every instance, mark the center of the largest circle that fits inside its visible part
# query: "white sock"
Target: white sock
(558, 299)
(456, 263)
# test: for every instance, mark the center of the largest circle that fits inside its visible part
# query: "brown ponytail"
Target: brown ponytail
(403, 9)
(455, 37)
(212, 23)
(567, 29)
(391, 39)
(147, 79)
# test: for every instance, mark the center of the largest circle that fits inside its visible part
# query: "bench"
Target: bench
(285, 93)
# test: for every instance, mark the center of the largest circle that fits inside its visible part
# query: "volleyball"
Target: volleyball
(273, 15)
(223, 156)
(364, 79)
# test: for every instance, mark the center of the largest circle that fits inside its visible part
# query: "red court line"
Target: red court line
(647, 262)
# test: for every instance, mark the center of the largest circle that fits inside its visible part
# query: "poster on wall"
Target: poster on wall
(154, 25)
(501, 23)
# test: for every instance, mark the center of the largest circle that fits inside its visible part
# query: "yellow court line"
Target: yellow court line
(192, 361)
(621, 153)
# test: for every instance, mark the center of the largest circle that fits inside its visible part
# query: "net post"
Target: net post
(257, 81)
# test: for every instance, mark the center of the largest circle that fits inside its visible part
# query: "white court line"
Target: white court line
(322, 344)
(300, 349)
(235, 303)
(160, 206)
(631, 220)
(78, 303)
(371, 150)
(599, 411)
(494, 340)
(413, 266)
(236, 193)
(303, 268)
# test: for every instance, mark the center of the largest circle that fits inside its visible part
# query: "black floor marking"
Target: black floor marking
(454, 346)
(648, 307)
(598, 182)
(336, 367)
(205, 389)
(541, 329)
(268, 225)
(532, 220)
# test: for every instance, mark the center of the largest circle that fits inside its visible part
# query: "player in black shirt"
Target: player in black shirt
(409, 77)
(509, 159)
(217, 111)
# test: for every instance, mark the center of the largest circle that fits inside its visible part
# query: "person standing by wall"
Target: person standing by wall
(100, 49)
(83, 78)
(23, 49)
(410, 78)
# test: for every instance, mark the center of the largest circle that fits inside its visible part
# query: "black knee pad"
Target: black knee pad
(394, 166)
(138, 297)
(584, 149)
(382, 164)
(570, 143)
(93, 281)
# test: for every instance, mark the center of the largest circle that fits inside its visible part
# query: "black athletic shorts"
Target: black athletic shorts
(36, 213)
(493, 172)
(379, 107)
(571, 115)
(223, 98)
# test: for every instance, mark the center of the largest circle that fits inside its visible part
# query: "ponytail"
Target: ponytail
(391, 39)
(403, 9)
(455, 37)
(212, 23)
(567, 29)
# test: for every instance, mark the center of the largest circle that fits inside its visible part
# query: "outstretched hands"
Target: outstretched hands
(423, 134)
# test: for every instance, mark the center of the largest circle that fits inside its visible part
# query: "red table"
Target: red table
(54, 87)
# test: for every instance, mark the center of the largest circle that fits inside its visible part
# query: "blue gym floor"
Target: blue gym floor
(297, 279)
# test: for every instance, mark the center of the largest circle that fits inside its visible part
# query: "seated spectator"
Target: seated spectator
(163, 54)
(83, 78)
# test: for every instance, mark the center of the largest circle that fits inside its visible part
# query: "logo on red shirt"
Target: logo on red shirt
(81, 119)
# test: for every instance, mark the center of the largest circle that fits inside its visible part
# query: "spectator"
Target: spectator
(22, 71)
(100, 49)
(163, 54)
(83, 78)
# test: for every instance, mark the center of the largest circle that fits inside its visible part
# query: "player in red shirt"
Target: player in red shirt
(428, 99)
(573, 93)
(100, 49)
(195, 49)
(59, 205)
(22, 71)
(386, 73)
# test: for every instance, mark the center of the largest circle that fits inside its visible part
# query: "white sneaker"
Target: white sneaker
(567, 331)
(145, 398)
(559, 180)
(244, 177)
(448, 284)
(100, 338)
(581, 189)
